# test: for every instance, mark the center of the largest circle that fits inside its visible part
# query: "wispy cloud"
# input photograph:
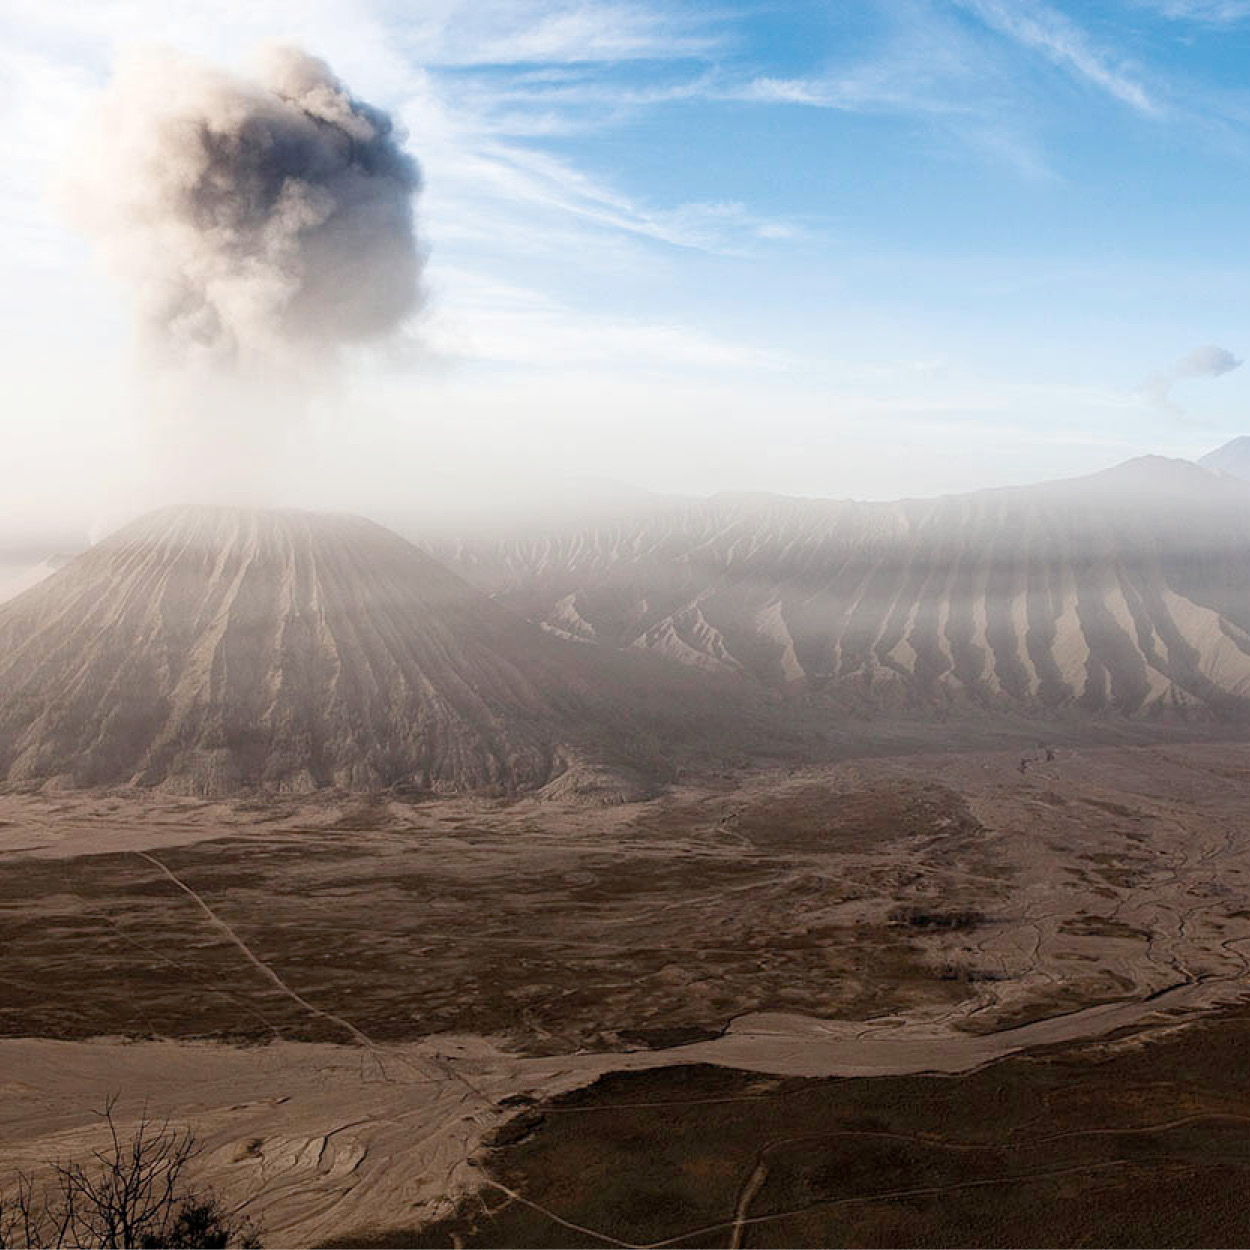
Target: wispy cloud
(568, 101)
(487, 184)
(551, 32)
(926, 66)
(482, 320)
(1060, 40)
(968, 69)
(1206, 12)
(1203, 362)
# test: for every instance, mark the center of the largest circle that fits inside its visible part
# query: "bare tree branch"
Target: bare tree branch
(131, 1196)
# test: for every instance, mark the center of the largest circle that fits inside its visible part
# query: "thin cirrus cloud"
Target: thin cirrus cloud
(1055, 36)
(503, 32)
(488, 184)
(1206, 12)
(960, 81)
(967, 69)
(955, 66)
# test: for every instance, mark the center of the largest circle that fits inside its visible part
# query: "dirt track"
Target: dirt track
(315, 1139)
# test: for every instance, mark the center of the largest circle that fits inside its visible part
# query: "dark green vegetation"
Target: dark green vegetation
(1123, 1143)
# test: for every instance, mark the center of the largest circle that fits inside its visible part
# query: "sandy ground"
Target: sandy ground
(1120, 896)
(49, 825)
(314, 1140)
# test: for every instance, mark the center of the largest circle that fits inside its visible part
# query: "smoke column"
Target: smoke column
(265, 224)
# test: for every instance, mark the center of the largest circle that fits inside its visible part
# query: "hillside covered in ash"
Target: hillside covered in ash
(1126, 592)
(216, 650)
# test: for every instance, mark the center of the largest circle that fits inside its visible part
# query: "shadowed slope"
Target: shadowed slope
(1128, 591)
(212, 650)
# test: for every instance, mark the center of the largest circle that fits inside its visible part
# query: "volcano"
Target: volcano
(211, 651)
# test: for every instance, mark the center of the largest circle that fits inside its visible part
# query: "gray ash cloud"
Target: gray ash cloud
(1210, 361)
(264, 222)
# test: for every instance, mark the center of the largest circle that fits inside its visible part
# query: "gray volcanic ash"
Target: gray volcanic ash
(212, 650)
(263, 222)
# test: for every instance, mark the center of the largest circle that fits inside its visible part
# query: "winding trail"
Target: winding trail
(442, 1070)
(927, 1191)
(315, 1148)
(259, 964)
(754, 1183)
(491, 1183)
(316, 1144)
(742, 1219)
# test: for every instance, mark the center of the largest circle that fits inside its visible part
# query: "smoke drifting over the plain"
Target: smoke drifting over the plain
(264, 223)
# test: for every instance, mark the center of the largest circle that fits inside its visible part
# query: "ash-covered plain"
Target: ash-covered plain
(353, 998)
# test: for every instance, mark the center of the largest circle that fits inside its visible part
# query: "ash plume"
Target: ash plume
(1203, 362)
(265, 223)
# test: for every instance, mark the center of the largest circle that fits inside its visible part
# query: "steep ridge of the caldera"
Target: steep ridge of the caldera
(1123, 593)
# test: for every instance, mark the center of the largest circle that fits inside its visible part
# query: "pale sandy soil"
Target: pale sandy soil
(49, 825)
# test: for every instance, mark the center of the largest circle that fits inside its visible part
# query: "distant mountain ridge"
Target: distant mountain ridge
(215, 651)
(1125, 592)
(1233, 458)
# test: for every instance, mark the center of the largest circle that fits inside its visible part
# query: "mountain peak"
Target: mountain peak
(208, 650)
(1155, 474)
(1233, 458)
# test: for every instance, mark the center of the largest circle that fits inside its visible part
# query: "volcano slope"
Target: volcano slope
(1124, 593)
(211, 651)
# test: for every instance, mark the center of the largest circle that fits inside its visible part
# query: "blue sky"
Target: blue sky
(872, 248)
